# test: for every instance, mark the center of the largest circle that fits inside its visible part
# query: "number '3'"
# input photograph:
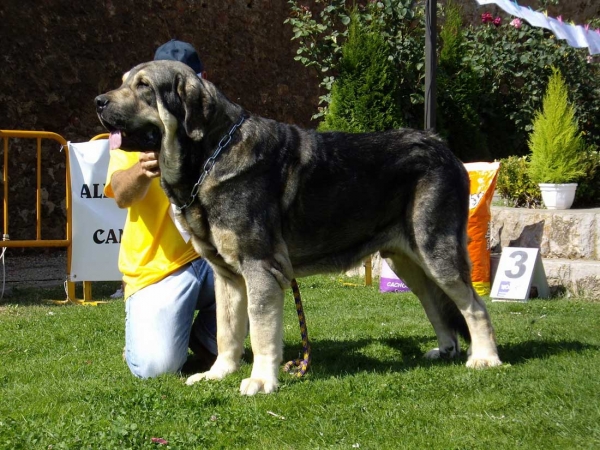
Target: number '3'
(520, 257)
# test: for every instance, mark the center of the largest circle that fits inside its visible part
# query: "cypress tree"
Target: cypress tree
(365, 95)
(459, 93)
(556, 144)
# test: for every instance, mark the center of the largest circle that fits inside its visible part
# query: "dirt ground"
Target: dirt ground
(46, 269)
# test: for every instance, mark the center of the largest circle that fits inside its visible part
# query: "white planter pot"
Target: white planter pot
(558, 196)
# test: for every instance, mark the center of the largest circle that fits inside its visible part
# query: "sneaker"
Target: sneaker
(118, 294)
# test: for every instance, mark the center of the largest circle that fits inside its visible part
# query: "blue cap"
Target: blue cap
(179, 51)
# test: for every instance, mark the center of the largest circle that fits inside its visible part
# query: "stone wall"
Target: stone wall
(58, 56)
(559, 234)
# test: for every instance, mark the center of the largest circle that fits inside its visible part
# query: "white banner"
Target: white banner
(576, 35)
(97, 220)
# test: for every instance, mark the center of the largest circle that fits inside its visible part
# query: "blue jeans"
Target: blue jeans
(160, 318)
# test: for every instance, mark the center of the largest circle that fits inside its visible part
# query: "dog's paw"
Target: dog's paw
(483, 361)
(218, 371)
(263, 378)
(432, 354)
(203, 376)
(253, 386)
(436, 353)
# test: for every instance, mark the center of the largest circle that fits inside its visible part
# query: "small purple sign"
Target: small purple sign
(389, 282)
(504, 288)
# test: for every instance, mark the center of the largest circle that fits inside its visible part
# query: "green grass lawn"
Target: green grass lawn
(63, 383)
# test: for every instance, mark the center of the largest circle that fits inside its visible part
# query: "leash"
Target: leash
(210, 162)
(300, 366)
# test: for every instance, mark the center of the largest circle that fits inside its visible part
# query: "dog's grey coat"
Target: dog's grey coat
(283, 202)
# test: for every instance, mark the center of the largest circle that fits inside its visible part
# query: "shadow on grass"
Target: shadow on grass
(539, 349)
(391, 354)
(402, 354)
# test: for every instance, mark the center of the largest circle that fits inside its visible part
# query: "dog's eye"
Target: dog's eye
(142, 84)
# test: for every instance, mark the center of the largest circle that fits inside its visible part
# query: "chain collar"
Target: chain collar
(210, 162)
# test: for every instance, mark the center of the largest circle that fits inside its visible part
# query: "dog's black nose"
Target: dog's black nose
(101, 102)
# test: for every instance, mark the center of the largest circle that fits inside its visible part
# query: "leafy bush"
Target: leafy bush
(364, 97)
(321, 31)
(320, 35)
(517, 189)
(514, 184)
(588, 188)
(491, 77)
(460, 93)
(513, 62)
(555, 142)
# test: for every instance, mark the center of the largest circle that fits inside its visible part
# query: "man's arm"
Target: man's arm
(130, 185)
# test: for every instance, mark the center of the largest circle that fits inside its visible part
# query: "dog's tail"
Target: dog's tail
(452, 316)
(438, 305)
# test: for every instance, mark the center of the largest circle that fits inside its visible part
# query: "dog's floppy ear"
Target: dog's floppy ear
(193, 96)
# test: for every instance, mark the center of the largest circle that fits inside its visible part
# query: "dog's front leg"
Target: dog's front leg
(232, 323)
(265, 285)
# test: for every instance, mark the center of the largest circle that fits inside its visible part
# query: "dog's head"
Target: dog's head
(158, 102)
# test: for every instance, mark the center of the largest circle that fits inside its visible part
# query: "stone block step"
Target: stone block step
(573, 277)
(567, 234)
(569, 242)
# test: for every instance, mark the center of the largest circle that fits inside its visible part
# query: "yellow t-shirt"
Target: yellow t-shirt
(151, 245)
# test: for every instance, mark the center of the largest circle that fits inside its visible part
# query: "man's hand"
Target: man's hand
(130, 185)
(149, 164)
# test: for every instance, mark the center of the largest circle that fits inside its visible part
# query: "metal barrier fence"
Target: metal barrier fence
(39, 136)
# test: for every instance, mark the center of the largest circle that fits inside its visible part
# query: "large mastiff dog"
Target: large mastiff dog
(266, 202)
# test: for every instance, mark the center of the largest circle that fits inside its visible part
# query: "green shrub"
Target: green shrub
(514, 184)
(517, 189)
(321, 30)
(588, 188)
(513, 64)
(489, 93)
(320, 34)
(364, 96)
(460, 92)
(555, 143)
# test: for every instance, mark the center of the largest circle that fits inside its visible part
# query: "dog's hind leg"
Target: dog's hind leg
(438, 243)
(232, 325)
(483, 351)
(446, 261)
(440, 310)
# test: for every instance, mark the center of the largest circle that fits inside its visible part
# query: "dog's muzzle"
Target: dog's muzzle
(122, 135)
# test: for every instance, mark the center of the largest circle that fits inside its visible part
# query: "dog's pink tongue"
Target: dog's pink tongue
(114, 140)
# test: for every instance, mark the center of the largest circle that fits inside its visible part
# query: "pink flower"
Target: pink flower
(487, 17)
(516, 23)
(497, 21)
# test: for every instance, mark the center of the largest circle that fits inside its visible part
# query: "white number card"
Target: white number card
(519, 269)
